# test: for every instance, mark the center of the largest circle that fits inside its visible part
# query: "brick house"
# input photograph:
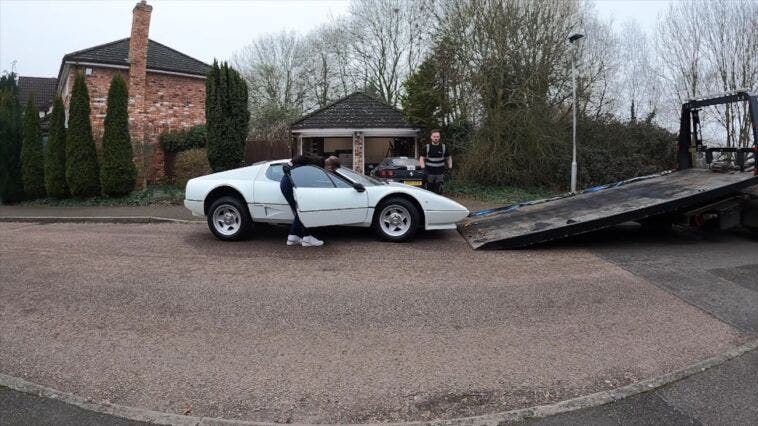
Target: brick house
(42, 91)
(166, 87)
(359, 129)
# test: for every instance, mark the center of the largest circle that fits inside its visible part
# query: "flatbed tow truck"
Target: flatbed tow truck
(723, 194)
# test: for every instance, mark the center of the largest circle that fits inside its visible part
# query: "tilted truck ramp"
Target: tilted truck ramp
(525, 224)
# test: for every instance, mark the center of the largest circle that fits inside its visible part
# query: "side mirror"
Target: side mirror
(359, 187)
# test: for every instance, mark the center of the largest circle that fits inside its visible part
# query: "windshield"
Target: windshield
(358, 178)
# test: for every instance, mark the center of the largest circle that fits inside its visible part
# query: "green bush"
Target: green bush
(189, 164)
(11, 134)
(530, 151)
(609, 150)
(32, 158)
(183, 140)
(119, 173)
(55, 160)
(82, 171)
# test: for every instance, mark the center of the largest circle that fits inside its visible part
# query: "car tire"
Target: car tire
(396, 219)
(229, 219)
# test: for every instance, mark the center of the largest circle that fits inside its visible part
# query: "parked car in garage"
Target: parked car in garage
(400, 169)
(235, 199)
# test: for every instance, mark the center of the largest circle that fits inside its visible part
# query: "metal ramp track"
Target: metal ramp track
(531, 223)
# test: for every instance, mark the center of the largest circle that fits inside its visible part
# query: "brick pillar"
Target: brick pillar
(138, 73)
(358, 145)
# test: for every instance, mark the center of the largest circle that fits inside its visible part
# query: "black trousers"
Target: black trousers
(434, 183)
(297, 227)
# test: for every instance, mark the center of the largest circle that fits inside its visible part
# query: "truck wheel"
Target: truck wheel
(228, 219)
(396, 219)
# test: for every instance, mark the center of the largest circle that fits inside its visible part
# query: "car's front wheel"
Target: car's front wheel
(228, 219)
(396, 219)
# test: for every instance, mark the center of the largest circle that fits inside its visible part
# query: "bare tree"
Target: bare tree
(639, 89)
(710, 46)
(276, 73)
(388, 41)
(330, 71)
(731, 45)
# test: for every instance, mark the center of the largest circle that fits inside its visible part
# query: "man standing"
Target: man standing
(434, 158)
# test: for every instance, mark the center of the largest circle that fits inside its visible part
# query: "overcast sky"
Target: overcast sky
(37, 33)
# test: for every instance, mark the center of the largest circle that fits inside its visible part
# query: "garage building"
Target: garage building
(359, 129)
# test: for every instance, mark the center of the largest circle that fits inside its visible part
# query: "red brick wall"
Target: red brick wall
(98, 83)
(171, 102)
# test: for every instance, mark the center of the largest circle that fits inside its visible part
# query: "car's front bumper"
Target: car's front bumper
(444, 219)
(196, 207)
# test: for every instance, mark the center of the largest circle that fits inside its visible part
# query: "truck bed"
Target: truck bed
(531, 223)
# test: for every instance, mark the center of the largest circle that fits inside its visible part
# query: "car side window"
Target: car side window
(310, 177)
(275, 172)
(340, 182)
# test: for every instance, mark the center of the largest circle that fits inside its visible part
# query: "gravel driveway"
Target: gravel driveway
(166, 317)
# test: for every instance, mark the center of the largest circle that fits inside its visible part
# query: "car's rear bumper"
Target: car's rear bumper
(415, 181)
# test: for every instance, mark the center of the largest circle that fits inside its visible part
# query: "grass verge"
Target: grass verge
(162, 195)
(501, 195)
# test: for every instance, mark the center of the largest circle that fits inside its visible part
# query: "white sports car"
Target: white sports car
(233, 200)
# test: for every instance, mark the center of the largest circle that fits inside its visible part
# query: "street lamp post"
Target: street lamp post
(573, 39)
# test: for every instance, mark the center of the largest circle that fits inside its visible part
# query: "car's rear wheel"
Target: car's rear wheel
(396, 219)
(229, 219)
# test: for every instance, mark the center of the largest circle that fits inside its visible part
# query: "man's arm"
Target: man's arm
(450, 162)
(421, 160)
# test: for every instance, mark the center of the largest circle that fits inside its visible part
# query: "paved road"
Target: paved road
(724, 395)
(716, 272)
(21, 409)
(53, 249)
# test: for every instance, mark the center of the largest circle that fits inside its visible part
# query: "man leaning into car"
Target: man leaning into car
(434, 157)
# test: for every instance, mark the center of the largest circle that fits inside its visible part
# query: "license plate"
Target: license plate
(413, 182)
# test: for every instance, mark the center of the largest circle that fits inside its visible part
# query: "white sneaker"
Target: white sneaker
(293, 240)
(311, 241)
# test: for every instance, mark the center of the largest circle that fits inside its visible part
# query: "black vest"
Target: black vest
(434, 159)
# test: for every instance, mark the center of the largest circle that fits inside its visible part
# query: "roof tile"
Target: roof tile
(159, 57)
(354, 111)
(42, 89)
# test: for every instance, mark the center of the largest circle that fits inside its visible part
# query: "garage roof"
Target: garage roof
(354, 111)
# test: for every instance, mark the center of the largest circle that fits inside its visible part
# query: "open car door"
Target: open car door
(324, 199)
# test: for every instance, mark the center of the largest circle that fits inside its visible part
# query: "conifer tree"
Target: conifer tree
(55, 160)
(11, 134)
(82, 172)
(118, 173)
(226, 116)
(32, 158)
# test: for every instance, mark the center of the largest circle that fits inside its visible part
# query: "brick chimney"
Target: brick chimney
(138, 66)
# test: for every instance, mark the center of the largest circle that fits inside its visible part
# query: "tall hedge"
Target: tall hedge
(11, 133)
(55, 160)
(32, 158)
(226, 117)
(119, 173)
(82, 172)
